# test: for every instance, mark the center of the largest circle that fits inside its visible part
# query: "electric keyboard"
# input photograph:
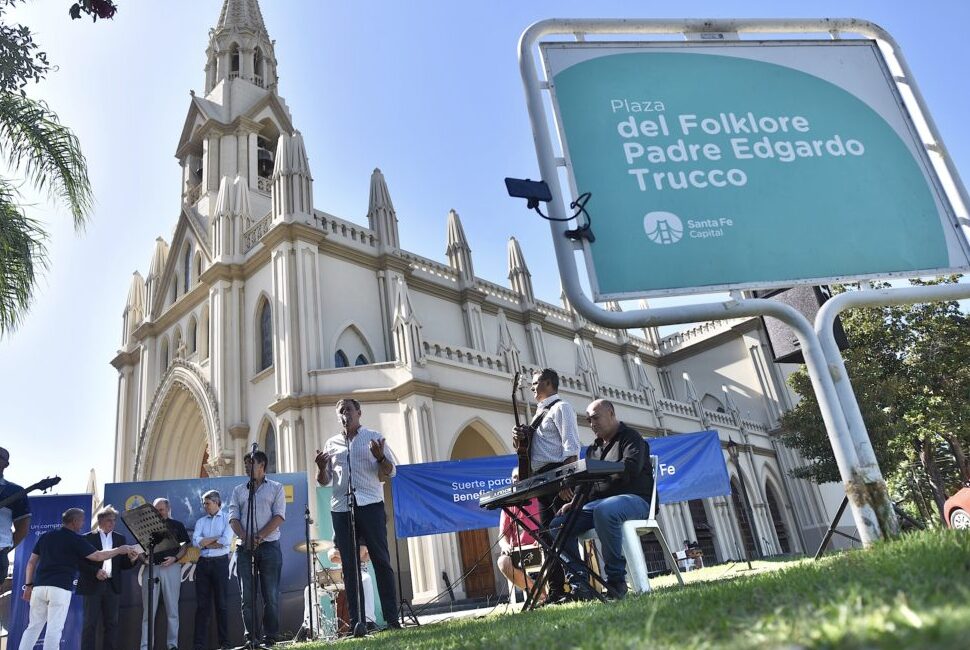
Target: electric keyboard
(582, 471)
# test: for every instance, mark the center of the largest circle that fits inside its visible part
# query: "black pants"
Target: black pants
(211, 583)
(548, 505)
(371, 531)
(100, 608)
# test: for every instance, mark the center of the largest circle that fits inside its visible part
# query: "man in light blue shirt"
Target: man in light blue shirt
(261, 546)
(212, 535)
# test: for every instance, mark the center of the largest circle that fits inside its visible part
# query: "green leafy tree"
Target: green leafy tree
(38, 150)
(910, 370)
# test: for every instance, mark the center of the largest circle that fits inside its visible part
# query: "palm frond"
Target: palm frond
(48, 153)
(23, 254)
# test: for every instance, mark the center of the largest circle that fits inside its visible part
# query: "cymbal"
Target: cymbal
(316, 545)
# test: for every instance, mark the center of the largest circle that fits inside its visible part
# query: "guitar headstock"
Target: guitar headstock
(45, 484)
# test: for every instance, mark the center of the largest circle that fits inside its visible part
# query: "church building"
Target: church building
(262, 310)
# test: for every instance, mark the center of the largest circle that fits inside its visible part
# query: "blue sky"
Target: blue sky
(427, 91)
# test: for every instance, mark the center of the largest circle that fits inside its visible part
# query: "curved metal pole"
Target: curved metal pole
(825, 328)
(835, 423)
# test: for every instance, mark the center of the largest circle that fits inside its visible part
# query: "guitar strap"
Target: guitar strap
(541, 415)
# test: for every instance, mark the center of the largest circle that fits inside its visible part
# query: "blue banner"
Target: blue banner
(185, 497)
(45, 515)
(691, 467)
(442, 497)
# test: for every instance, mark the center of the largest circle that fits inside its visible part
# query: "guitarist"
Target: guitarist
(552, 440)
(14, 517)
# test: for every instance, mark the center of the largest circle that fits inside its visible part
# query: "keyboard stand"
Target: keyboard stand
(555, 551)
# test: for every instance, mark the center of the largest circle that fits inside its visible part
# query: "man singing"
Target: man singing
(362, 456)
(100, 583)
(169, 574)
(261, 548)
(212, 535)
(50, 574)
(613, 500)
(555, 442)
(14, 517)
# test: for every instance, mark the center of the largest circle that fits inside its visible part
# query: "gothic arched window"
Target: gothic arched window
(234, 61)
(204, 334)
(269, 447)
(193, 334)
(265, 336)
(163, 357)
(340, 360)
(361, 360)
(258, 66)
(186, 270)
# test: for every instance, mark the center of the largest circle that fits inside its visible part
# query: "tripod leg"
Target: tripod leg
(832, 528)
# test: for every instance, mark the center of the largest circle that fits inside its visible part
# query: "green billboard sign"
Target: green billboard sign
(746, 165)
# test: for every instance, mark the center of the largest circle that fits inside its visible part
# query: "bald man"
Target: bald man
(613, 500)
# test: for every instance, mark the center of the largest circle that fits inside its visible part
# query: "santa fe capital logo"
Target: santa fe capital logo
(663, 227)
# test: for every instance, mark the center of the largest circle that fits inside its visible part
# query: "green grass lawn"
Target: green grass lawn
(910, 593)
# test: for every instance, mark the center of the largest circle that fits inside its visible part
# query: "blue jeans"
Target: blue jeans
(269, 564)
(607, 516)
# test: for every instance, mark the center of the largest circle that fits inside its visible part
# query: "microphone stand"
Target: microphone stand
(360, 627)
(151, 590)
(404, 611)
(250, 546)
(311, 583)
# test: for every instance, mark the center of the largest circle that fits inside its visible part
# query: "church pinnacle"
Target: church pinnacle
(240, 47)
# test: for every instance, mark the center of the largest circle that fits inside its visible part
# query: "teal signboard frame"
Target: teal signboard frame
(746, 164)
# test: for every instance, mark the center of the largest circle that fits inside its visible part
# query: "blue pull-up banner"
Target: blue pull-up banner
(443, 497)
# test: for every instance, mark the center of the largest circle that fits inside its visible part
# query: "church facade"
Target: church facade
(262, 311)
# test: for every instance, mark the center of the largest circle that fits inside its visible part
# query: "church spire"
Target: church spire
(292, 183)
(458, 250)
(519, 274)
(240, 47)
(381, 217)
(242, 14)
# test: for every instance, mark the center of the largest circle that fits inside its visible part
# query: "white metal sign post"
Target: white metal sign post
(943, 248)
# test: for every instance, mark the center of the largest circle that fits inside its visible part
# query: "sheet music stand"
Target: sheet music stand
(149, 529)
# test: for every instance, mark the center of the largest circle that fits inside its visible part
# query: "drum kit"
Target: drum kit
(331, 581)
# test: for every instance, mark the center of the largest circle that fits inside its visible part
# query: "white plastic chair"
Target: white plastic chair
(636, 563)
(633, 529)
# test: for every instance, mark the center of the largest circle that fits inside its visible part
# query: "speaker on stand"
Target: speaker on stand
(785, 347)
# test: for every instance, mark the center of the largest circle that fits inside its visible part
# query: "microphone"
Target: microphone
(255, 447)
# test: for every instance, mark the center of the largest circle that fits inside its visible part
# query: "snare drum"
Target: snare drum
(330, 579)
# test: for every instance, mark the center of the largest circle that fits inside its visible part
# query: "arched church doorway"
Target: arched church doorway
(743, 518)
(777, 518)
(474, 441)
(179, 441)
(703, 531)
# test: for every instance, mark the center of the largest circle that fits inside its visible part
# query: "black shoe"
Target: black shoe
(556, 597)
(617, 590)
(581, 593)
(393, 625)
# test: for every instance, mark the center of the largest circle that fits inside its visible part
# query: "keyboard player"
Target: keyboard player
(554, 443)
(615, 499)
